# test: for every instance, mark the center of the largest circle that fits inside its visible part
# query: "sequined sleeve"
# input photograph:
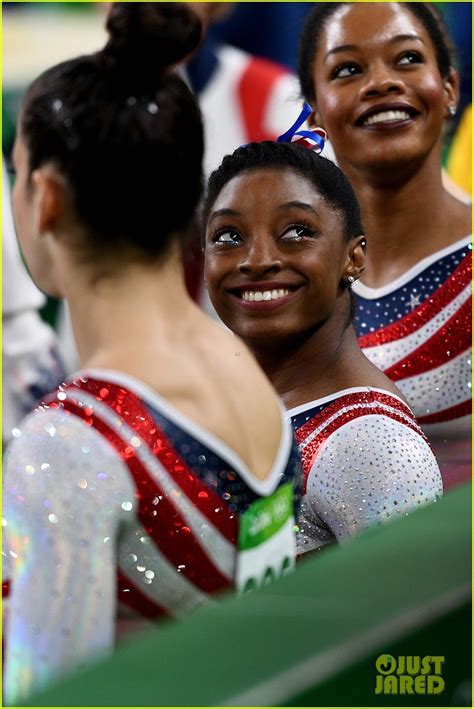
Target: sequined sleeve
(63, 488)
(369, 471)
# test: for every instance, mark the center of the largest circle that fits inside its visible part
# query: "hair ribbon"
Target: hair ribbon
(312, 139)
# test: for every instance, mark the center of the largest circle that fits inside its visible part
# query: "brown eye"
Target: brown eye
(297, 232)
(345, 70)
(227, 236)
(410, 58)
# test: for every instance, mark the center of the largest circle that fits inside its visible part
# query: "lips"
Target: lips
(263, 295)
(386, 114)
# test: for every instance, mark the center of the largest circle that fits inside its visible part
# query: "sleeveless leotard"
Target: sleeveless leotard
(117, 505)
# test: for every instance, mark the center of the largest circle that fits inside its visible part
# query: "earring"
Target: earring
(452, 110)
(350, 280)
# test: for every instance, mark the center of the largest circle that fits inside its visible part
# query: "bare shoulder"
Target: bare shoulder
(235, 364)
(380, 381)
(237, 370)
(239, 402)
(212, 379)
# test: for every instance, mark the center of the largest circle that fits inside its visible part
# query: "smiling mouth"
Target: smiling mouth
(270, 297)
(387, 117)
(257, 296)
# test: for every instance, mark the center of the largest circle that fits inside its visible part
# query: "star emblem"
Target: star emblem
(414, 301)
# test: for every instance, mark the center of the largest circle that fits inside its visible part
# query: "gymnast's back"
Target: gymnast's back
(164, 471)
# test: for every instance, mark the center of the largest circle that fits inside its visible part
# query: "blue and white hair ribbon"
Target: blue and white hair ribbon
(313, 139)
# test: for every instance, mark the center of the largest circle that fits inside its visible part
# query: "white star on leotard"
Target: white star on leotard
(414, 301)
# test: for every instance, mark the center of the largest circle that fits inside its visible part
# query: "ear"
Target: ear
(49, 200)
(451, 92)
(355, 260)
(314, 119)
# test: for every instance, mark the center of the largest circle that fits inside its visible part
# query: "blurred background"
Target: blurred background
(37, 35)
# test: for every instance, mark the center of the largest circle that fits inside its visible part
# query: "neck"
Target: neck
(116, 309)
(314, 366)
(407, 215)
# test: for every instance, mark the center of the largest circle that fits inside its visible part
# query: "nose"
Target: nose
(261, 256)
(382, 80)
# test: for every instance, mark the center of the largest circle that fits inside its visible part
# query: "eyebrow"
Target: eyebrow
(393, 40)
(298, 205)
(403, 37)
(225, 212)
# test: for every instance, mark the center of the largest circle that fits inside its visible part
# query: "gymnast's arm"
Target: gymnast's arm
(371, 470)
(64, 486)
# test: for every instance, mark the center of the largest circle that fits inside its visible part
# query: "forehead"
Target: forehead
(369, 23)
(268, 188)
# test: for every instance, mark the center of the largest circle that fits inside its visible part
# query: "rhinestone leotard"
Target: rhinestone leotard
(417, 330)
(116, 504)
(365, 462)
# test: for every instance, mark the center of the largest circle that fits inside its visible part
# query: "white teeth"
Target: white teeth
(257, 296)
(386, 117)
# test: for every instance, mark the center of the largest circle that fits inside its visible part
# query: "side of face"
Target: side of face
(379, 92)
(275, 256)
(35, 207)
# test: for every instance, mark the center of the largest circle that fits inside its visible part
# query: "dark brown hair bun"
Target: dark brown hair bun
(149, 37)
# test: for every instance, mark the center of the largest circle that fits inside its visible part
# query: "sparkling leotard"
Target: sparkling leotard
(417, 330)
(115, 501)
(365, 461)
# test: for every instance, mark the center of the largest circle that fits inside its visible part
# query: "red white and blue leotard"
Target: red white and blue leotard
(365, 461)
(116, 502)
(418, 331)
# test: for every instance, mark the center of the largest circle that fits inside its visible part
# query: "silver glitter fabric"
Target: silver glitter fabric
(365, 462)
(116, 506)
(63, 494)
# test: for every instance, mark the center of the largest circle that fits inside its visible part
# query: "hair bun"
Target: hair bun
(147, 37)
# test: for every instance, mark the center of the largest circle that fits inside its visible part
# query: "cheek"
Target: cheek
(213, 271)
(333, 109)
(332, 105)
(324, 278)
(432, 91)
(19, 213)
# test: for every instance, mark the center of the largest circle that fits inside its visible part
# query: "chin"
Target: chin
(394, 151)
(260, 335)
(395, 158)
(278, 340)
(47, 286)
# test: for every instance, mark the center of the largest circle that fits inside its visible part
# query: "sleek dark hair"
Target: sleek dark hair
(124, 128)
(328, 180)
(429, 16)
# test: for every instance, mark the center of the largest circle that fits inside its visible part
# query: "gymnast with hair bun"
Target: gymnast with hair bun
(164, 471)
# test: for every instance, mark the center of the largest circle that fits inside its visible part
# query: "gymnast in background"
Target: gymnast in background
(381, 80)
(130, 493)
